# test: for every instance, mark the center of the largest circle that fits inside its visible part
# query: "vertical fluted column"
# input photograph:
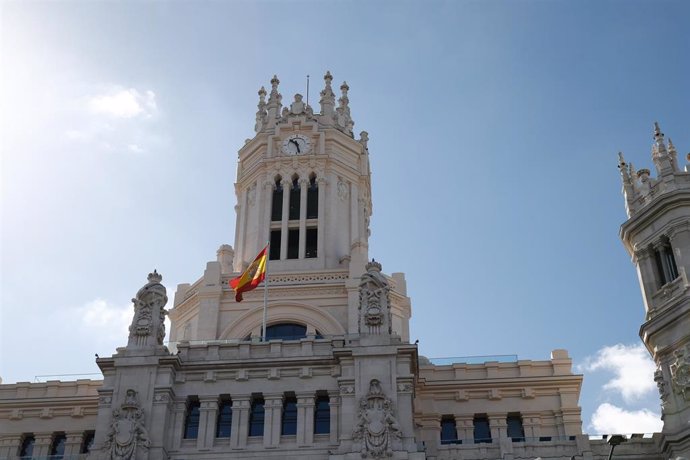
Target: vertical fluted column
(464, 428)
(305, 419)
(240, 421)
(273, 405)
(42, 445)
(10, 445)
(498, 425)
(73, 443)
(179, 414)
(208, 413)
(286, 216)
(647, 274)
(303, 184)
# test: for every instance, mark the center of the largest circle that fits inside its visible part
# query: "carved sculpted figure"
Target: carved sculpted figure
(661, 385)
(680, 373)
(373, 301)
(127, 431)
(376, 427)
(148, 324)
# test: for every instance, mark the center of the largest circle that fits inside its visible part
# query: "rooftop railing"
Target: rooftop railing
(473, 359)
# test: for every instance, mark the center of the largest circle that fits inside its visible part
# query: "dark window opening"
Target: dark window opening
(191, 422)
(545, 438)
(665, 263)
(274, 252)
(482, 432)
(87, 443)
(312, 199)
(322, 415)
(224, 423)
(289, 422)
(286, 331)
(515, 429)
(256, 417)
(293, 243)
(57, 447)
(277, 202)
(27, 448)
(449, 435)
(294, 200)
(310, 247)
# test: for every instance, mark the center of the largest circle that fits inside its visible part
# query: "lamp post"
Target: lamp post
(614, 440)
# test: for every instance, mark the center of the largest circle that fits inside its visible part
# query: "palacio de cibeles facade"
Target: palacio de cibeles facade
(336, 376)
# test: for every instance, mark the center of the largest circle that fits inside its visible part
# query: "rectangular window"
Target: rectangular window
(277, 204)
(224, 423)
(289, 422)
(322, 415)
(665, 263)
(448, 433)
(515, 429)
(256, 417)
(295, 193)
(87, 443)
(27, 448)
(313, 200)
(482, 431)
(293, 243)
(310, 248)
(191, 424)
(274, 252)
(57, 447)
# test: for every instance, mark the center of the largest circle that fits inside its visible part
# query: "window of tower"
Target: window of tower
(514, 427)
(274, 252)
(277, 201)
(322, 414)
(311, 240)
(482, 432)
(286, 331)
(448, 433)
(191, 422)
(57, 447)
(87, 443)
(666, 268)
(224, 422)
(289, 416)
(312, 198)
(256, 416)
(27, 448)
(293, 243)
(295, 194)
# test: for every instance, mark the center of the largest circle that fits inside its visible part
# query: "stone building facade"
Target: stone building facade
(337, 377)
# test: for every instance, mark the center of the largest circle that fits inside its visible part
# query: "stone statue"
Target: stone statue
(148, 325)
(376, 427)
(374, 304)
(127, 431)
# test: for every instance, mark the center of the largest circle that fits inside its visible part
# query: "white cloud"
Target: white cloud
(632, 367)
(124, 103)
(104, 319)
(610, 419)
(135, 148)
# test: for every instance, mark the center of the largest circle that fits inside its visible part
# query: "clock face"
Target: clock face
(296, 144)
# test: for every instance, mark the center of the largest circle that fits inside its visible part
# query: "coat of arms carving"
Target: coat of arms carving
(377, 427)
(127, 431)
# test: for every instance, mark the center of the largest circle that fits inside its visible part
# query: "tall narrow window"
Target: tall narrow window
(191, 421)
(293, 243)
(277, 202)
(322, 415)
(311, 240)
(57, 447)
(312, 198)
(274, 251)
(665, 263)
(515, 428)
(289, 422)
(256, 417)
(482, 432)
(27, 448)
(295, 193)
(87, 442)
(448, 433)
(224, 423)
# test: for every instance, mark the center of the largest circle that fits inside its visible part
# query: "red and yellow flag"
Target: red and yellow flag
(252, 276)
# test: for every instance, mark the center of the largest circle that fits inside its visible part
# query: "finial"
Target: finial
(275, 82)
(621, 160)
(328, 78)
(154, 277)
(671, 147)
(373, 266)
(262, 93)
(657, 131)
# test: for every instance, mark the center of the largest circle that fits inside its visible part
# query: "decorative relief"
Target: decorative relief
(661, 385)
(377, 427)
(347, 390)
(149, 315)
(251, 195)
(343, 192)
(680, 372)
(127, 432)
(374, 303)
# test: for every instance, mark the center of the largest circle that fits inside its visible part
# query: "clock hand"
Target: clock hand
(297, 144)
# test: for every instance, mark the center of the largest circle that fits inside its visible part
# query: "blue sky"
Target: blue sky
(494, 128)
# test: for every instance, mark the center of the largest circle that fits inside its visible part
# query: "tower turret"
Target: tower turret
(657, 236)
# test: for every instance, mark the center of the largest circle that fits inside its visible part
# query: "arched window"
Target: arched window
(312, 198)
(277, 201)
(57, 447)
(191, 421)
(286, 331)
(224, 422)
(289, 422)
(256, 417)
(294, 199)
(322, 415)
(27, 448)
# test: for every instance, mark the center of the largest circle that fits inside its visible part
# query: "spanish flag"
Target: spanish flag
(252, 276)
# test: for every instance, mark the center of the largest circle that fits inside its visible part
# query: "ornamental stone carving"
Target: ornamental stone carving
(148, 327)
(680, 372)
(374, 305)
(127, 433)
(377, 428)
(661, 386)
(342, 188)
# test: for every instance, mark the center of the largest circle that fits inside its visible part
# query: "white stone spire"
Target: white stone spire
(274, 102)
(343, 119)
(327, 100)
(261, 112)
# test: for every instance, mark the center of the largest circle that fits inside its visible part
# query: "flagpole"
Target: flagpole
(268, 257)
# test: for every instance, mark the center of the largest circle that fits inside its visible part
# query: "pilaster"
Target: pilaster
(208, 412)
(334, 406)
(305, 419)
(240, 421)
(273, 405)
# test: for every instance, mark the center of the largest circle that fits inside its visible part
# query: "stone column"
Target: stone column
(273, 405)
(405, 414)
(265, 226)
(42, 445)
(240, 421)
(179, 411)
(334, 406)
(305, 419)
(74, 440)
(303, 183)
(532, 425)
(9, 446)
(208, 413)
(464, 427)
(498, 425)
(241, 213)
(286, 216)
